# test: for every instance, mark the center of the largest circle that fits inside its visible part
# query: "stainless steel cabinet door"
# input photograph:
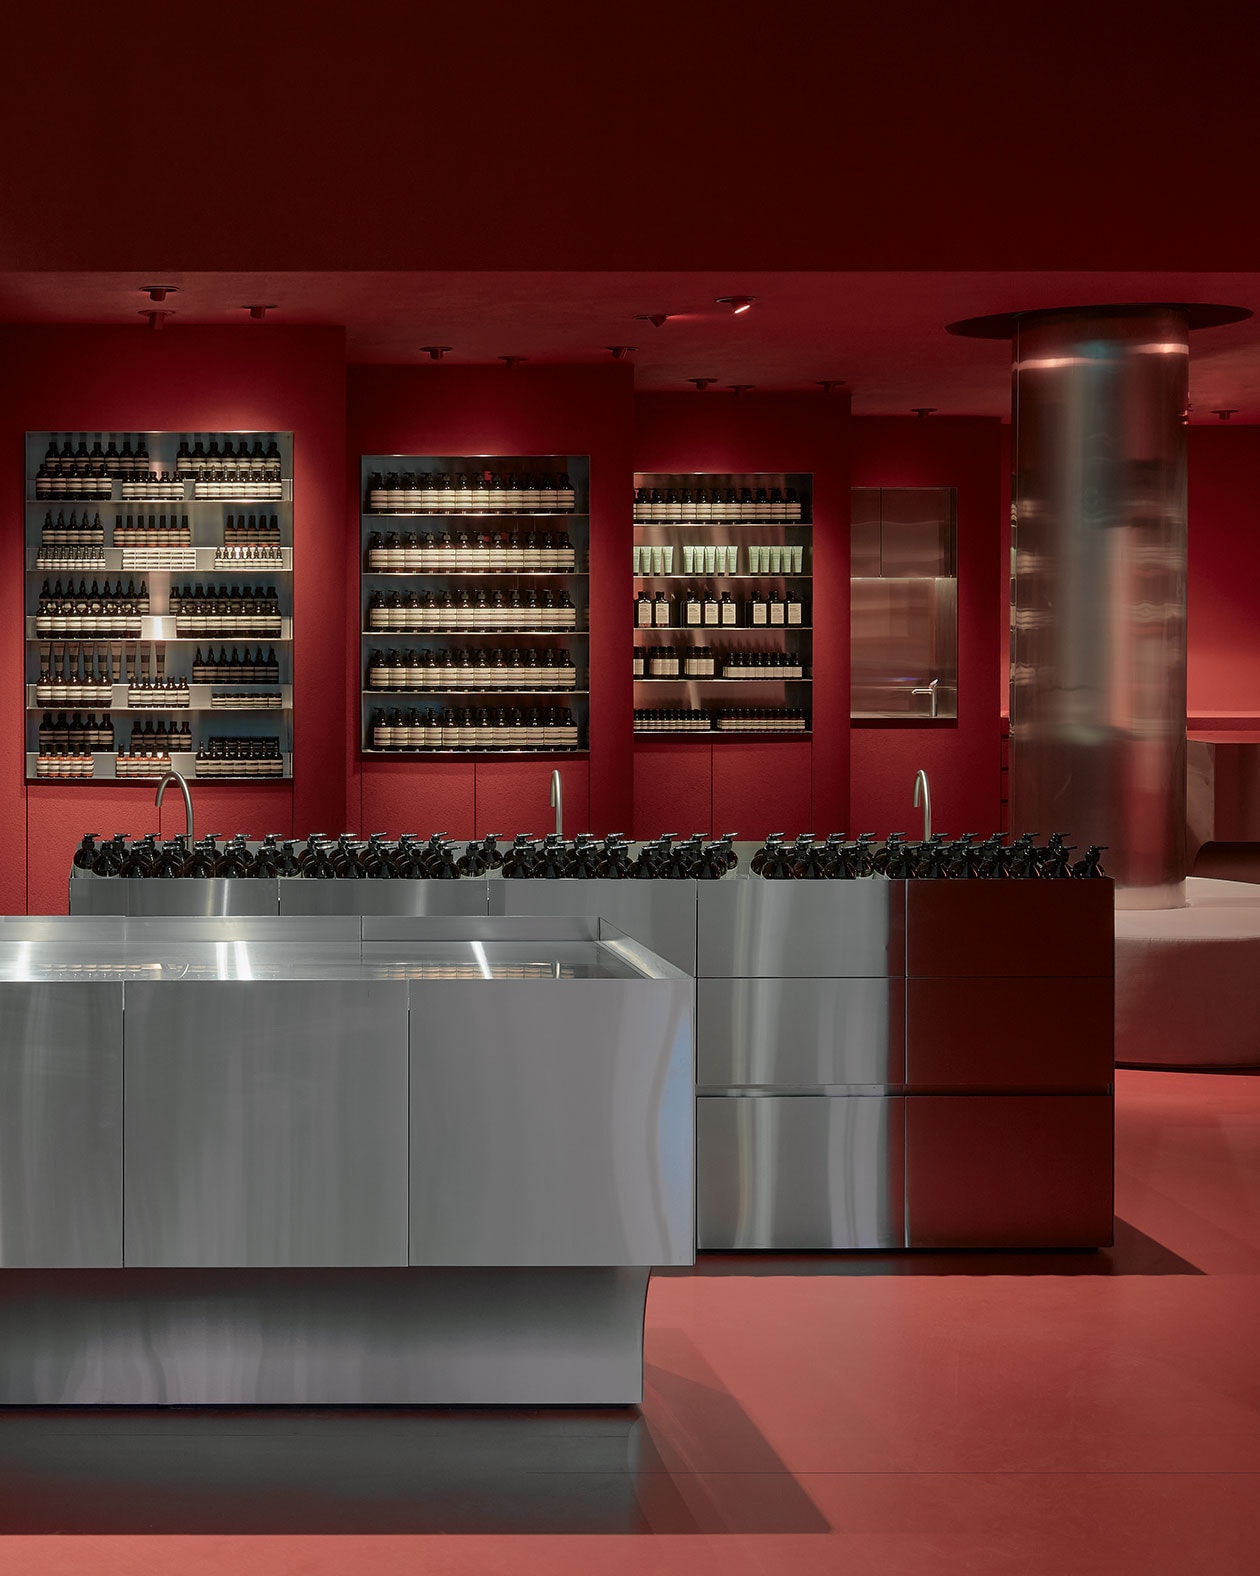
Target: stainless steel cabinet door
(799, 1034)
(804, 929)
(60, 1126)
(800, 1172)
(552, 1124)
(266, 1123)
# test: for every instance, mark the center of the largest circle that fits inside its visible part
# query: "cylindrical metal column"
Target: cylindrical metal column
(1098, 598)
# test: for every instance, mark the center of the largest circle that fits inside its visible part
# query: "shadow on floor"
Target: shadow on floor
(286, 1470)
(1133, 1253)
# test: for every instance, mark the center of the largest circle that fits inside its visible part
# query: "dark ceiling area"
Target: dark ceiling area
(525, 181)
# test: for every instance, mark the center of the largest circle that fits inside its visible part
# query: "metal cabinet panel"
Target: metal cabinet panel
(1010, 1034)
(800, 929)
(266, 1123)
(803, 1172)
(552, 1124)
(383, 897)
(60, 1126)
(211, 898)
(1009, 1171)
(661, 914)
(799, 1034)
(1011, 928)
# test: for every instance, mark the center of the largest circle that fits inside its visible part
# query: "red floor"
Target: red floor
(883, 1414)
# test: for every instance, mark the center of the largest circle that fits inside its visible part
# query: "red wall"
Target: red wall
(128, 379)
(757, 786)
(1223, 659)
(497, 410)
(962, 758)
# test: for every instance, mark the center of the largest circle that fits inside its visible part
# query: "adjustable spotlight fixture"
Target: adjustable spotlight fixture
(158, 293)
(260, 312)
(156, 318)
(924, 410)
(435, 352)
(740, 388)
(702, 383)
(1226, 412)
(655, 318)
(828, 385)
(513, 361)
(737, 304)
(620, 352)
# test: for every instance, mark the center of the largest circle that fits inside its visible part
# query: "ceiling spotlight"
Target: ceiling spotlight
(740, 388)
(511, 361)
(702, 383)
(827, 385)
(156, 319)
(260, 312)
(737, 304)
(655, 318)
(158, 293)
(1226, 413)
(435, 352)
(620, 352)
(924, 410)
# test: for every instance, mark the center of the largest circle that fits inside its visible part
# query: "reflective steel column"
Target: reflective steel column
(1098, 596)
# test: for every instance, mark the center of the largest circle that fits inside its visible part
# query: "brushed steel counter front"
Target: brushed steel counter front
(219, 1131)
(752, 929)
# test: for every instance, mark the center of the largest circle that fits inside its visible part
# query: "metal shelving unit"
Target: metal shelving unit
(682, 513)
(169, 557)
(463, 574)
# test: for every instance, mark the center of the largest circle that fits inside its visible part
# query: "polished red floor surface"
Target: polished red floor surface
(879, 1413)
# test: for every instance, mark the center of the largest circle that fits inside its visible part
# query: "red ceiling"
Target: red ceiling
(796, 152)
(884, 334)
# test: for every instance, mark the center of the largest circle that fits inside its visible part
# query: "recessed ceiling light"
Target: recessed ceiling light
(513, 361)
(259, 312)
(828, 384)
(620, 352)
(1226, 412)
(158, 293)
(655, 318)
(435, 352)
(924, 410)
(740, 388)
(737, 304)
(702, 383)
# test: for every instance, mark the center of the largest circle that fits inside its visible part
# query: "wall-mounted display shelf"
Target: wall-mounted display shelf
(904, 603)
(475, 604)
(726, 560)
(159, 605)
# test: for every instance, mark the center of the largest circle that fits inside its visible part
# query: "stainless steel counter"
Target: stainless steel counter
(314, 1100)
(879, 1064)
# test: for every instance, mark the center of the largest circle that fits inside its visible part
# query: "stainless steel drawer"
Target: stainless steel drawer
(800, 929)
(61, 1126)
(799, 1033)
(802, 1172)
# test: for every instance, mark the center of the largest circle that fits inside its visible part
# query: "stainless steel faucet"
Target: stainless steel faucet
(557, 802)
(921, 782)
(930, 690)
(178, 777)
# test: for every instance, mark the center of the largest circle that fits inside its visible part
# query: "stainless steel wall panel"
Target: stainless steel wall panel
(799, 1033)
(464, 898)
(552, 1125)
(266, 1124)
(803, 1172)
(99, 895)
(61, 1124)
(1010, 1034)
(661, 914)
(800, 929)
(523, 1337)
(1009, 928)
